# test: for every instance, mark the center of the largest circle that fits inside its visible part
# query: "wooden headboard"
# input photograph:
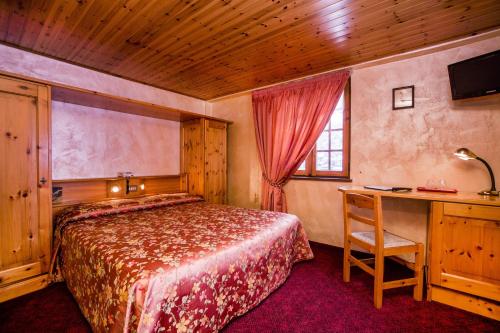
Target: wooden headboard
(76, 191)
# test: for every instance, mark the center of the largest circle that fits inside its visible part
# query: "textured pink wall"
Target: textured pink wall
(405, 147)
(21, 62)
(89, 142)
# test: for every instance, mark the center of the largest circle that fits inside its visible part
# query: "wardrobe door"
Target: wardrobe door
(215, 161)
(25, 195)
(192, 155)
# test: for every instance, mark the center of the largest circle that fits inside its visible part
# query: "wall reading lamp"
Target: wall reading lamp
(466, 154)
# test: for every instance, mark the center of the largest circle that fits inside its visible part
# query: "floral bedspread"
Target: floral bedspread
(173, 263)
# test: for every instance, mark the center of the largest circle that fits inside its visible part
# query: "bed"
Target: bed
(172, 263)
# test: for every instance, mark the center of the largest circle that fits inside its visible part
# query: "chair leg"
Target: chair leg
(347, 264)
(379, 280)
(419, 260)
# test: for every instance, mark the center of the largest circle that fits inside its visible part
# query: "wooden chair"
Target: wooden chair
(380, 243)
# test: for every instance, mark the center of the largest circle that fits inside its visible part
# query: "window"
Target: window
(330, 155)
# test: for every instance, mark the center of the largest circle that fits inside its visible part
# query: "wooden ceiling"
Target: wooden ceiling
(212, 48)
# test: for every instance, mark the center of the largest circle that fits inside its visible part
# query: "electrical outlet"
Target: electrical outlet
(57, 192)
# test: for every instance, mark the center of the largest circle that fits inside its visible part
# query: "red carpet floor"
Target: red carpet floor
(314, 299)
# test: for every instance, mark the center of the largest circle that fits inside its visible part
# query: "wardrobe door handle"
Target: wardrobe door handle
(43, 181)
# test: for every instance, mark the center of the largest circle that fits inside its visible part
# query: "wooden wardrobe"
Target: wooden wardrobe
(203, 158)
(25, 187)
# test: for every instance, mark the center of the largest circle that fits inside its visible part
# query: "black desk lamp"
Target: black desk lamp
(465, 154)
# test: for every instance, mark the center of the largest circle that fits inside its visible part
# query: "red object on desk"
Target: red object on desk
(436, 189)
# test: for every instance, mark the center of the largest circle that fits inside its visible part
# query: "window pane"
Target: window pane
(322, 143)
(336, 160)
(340, 104)
(337, 119)
(322, 161)
(302, 167)
(336, 139)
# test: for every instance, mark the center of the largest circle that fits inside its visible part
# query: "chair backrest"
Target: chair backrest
(373, 203)
(360, 201)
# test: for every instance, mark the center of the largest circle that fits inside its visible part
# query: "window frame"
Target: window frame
(310, 172)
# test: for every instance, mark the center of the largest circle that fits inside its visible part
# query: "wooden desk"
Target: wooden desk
(460, 197)
(463, 257)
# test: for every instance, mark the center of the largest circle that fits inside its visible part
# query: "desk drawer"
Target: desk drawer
(472, 211)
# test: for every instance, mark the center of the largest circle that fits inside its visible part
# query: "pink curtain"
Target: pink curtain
(288, 120)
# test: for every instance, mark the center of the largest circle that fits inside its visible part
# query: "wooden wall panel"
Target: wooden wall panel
(96, 189)
(98, 100)
(155, 185)
(210, 49)
(75, 191)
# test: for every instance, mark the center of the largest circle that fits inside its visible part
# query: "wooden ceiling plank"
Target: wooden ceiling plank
(37, 17)
(94, 20)
(167, 43)
(173, 68)
(312, 33)
(235, 40)
(221, 90)
(167, 31)
(118, 20)
(59, 24)
(185, 9)
(70, 31)
(203, 44)
(404, 28)
(229, 46)
(53, 12)
(16, 19)
(4, 20)
(286, 40)
(141, 38)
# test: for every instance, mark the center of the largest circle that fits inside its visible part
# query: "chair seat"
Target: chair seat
(390, 240)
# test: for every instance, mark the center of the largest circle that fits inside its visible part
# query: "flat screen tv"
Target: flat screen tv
(475, 77)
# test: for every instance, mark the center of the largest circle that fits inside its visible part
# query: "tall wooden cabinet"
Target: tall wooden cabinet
(465, 257)
(203, 158)
(25, 187)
